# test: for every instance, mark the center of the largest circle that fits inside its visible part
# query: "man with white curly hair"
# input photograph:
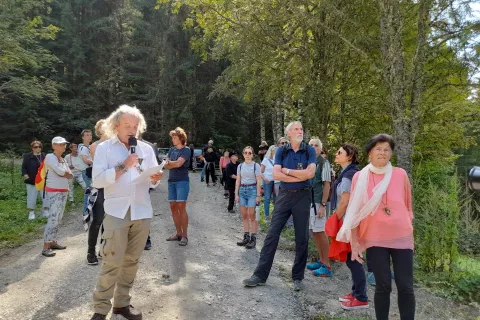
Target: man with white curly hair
(128, 210)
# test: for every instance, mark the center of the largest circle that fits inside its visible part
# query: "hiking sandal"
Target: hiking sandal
(175, 237)
(183, 242)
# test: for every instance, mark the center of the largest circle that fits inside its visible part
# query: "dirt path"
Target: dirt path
(201, 281)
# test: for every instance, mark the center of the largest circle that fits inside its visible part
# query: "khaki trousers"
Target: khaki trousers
(122, 247)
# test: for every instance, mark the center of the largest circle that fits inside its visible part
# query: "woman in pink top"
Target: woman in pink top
(223, 165)
(379, 219)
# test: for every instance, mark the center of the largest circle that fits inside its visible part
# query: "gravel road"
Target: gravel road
(200, 281)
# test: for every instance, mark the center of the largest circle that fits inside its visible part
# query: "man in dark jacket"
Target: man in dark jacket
(31, 163)
(231, 179)
(210, 154)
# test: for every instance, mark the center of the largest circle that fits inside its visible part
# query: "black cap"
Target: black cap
(233, 153)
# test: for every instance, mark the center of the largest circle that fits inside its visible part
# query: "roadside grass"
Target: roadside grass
(15, 228)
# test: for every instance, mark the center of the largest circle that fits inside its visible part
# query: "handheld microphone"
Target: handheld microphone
(132, 142)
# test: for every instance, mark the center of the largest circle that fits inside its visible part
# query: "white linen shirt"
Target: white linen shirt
(121, 194)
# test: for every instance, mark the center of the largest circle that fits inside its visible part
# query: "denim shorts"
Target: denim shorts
(178, 191)
(247, 195)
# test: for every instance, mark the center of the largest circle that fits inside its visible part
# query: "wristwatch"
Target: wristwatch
(121, 166)
(323, 204)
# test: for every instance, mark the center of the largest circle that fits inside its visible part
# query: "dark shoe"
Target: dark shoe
(297, 285)
(98, 316)
(92, 259)
(48, 253)
(128, 312)
(231, 211)
(253, 281)
(252, 243)
(56, 246)
(148, 245)
(246, 239)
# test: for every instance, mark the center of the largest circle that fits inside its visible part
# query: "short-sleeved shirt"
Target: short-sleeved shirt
(268, 173)
(295, 161)
(248, 172)
(344, 186)
(83, 150)
(180, 173)
(320, 177)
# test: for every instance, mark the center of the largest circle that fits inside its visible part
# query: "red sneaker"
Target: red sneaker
(347, 298)
(354, 304)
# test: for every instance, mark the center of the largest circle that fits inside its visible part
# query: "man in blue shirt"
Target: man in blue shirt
(294, 167)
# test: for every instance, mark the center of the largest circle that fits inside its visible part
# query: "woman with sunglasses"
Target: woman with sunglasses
(247, 193)
(31, 163)
(346, 157)
(379, 219)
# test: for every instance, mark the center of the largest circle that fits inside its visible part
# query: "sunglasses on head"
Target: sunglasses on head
(248, 153)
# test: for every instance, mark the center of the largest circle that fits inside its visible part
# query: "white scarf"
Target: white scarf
(359, 206)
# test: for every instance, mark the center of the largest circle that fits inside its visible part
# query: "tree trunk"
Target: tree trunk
(262, 124)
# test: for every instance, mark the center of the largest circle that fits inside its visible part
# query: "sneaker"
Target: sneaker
(253, 281)
(315, 265)
(92, 259)
(148, 245)
(214, 184)
(98, 316)
(46, 213)
(245, 241)
(56, 246)
(371, 279)
(48, 253)
(128, 312)
(31, 215)
(323, 272)
(297, 285)
(208, 184)
(252, 243)
(231, 211)
(354, 304)
(346, 298)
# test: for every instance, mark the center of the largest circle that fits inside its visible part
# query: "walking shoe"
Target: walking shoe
(148, 245)
(98, 316)
(31, 215)
(246, 239)
(323, 272)
(128, 312)
(371, 279)
(346, 298)
(48, 253)
(214, 184)
(253, 281)
(231, 211)
(92, 259)
(56, 246)
(297, 285)
(315, 265)
(202, 180)
(252, 243)
(354, 304)
(208, 184)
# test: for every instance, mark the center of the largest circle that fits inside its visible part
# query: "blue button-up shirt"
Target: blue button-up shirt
(295, 161)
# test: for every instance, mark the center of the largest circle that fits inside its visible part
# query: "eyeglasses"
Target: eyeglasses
(339, 152)
(248, 153)
(36, 147)
(314, 145)
(282, 143)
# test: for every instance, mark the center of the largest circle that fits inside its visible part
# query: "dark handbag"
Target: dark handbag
(88, 172)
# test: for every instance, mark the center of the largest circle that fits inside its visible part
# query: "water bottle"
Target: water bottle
(257, 212)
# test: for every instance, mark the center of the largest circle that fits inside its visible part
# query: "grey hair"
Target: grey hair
(271, 151)
(290, 125)
(114, 119)
(210, 142)
(280, 139)
(317, 141)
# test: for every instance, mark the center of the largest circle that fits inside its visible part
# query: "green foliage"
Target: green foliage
(436, 217)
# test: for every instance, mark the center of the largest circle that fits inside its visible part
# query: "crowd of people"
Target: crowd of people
(371, 208)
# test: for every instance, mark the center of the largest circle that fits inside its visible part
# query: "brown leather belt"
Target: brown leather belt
(248, 185)
(295, 190)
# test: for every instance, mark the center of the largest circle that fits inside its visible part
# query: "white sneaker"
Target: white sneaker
(46, 214)
(31, 215)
